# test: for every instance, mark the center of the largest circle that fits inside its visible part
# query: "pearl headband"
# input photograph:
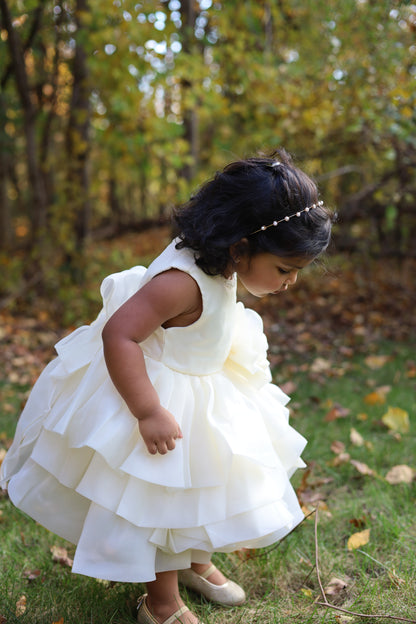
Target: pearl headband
(288, 217)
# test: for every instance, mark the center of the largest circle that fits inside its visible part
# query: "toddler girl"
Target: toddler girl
(155, 437)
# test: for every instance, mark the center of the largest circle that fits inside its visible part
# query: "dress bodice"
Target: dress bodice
(200, 348)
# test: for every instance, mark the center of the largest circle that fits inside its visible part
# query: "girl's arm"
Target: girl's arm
(171, 298)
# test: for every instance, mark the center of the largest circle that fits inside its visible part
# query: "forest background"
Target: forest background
(112, 112)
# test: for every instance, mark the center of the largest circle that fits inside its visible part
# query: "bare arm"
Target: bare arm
(171, 298)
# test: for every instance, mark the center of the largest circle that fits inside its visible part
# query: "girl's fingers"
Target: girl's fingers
(152, 448)
(171, 444)
(162, 448)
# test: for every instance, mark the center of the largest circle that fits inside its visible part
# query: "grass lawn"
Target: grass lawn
(341, 349)
(349, 454)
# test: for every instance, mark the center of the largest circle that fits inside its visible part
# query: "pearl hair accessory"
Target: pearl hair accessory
(288, 217)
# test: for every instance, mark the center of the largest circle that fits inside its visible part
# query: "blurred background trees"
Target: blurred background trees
(111, 112)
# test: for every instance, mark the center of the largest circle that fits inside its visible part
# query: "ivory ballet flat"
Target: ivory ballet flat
(229, 594)
(145, 617)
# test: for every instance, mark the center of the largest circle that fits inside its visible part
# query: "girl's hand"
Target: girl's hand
(159, 431)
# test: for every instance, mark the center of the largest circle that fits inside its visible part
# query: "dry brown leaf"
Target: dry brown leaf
(311, 497)
(31, 575)
(335, 587)
(342, 458)
(358, 539)
(60, 555)
(359, 523)
(395, 579)
(60, 621)
(375, 398)
(320, 365)
(289, 387)
(396, 419)
(362, 468)
(377, 361)
(356, 438)
(21, 606)
(337, 447)
(344, 619)
(400, 474)
(337, 411)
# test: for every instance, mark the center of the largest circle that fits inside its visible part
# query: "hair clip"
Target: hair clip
(275, 164)
(288, 217)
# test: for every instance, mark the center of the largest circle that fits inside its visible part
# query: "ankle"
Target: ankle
(216, 577)
(162, 609)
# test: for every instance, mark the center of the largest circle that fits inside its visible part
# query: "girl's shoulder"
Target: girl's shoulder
(172, 258)
(213, 288)
(180, 259)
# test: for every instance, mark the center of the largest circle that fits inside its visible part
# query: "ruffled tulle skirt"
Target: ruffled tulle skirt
(79, 466)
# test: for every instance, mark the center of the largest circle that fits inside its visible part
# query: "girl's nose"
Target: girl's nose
(292, 278)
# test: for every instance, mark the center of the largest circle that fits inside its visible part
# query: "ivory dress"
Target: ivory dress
(79, 466)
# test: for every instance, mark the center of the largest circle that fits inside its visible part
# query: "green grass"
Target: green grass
(281, 582)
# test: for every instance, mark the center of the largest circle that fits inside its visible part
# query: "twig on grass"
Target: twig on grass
(327, 604)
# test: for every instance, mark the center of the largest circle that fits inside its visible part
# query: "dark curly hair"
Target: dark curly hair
(240, 199)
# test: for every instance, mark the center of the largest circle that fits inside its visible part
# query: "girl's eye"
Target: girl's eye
(282, 271)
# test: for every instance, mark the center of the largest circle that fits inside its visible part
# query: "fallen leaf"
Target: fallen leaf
(60, 555)
(311, 497)
(356, 438)
(307, 592)
(396, 419)
(400, 474)
(359, 523)
(376, 361)
(337, 447)
(336, 412)
(320, 365)
(31, 575)
(245, 553)
(396, 580)
(358, 539)
(289, 387)
(21, 606)
(375, 398)
(342, 458)
(60, 621)
(335, 587)
(411, 370)
(362, 468)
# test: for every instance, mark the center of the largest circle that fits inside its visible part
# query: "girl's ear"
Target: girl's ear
(239, 250)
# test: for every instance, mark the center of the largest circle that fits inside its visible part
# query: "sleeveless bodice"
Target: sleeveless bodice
(203, 347)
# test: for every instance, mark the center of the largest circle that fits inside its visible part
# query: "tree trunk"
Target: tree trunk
(190, 116)
(6, 233)
(38, 201)
(78, 145)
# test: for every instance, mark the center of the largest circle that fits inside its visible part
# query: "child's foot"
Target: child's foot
(215, 576)
(164, 613)
(205, 579)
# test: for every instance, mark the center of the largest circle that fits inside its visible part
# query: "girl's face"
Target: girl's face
(267, 274)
